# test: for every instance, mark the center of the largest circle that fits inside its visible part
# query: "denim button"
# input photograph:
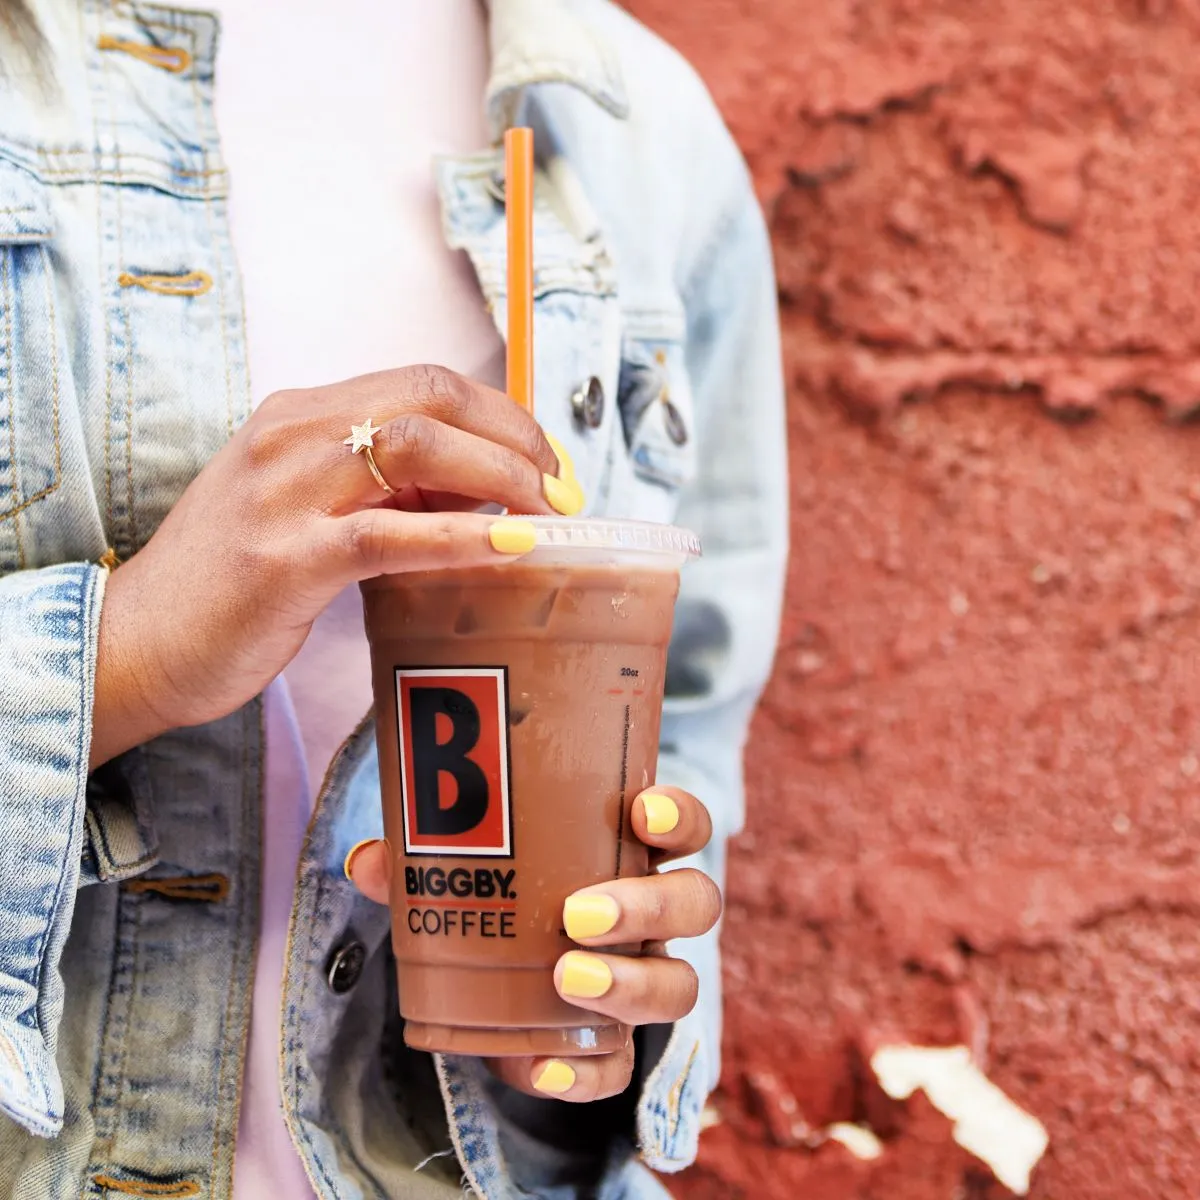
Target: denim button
(676, 429)
(345, 966)
(588, 403)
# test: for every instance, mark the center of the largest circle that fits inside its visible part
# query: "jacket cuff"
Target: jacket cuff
(49, 624)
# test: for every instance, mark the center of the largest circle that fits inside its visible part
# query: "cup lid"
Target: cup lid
(612, 539)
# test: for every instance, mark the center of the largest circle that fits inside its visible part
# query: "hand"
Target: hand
(284, 517)
(637, 991)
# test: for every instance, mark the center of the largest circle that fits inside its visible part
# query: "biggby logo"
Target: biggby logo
(454, 760)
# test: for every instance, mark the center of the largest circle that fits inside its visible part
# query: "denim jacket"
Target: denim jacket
(129, 906)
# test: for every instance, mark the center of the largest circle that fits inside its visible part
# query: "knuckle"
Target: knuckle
(410, 439)
(641, 985)
(655, 908)
(277, 402)
(706, 897)
(689, 989)
(533, 443)
(619, 1075)
(443, 535)
(269, 438)
(366, 540)
(515, 471)
(438, 389)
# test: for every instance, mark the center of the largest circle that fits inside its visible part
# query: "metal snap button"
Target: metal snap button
(673, 419)
(587, 403)
(345, 966)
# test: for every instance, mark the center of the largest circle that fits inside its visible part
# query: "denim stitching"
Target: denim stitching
(128, 329)
(7, 302)
(204, 889)
(165, 58)
(246, 895)
(102, 67)
(164, 1191)
(110, 857)
(291, 1116)
(169, 285)
(135, 942)
(53, 487)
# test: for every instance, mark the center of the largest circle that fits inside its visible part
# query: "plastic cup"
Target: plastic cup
(518, 710)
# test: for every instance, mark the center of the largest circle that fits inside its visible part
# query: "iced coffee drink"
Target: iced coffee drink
(518, 711)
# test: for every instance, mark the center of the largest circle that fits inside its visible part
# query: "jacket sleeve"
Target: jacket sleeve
(727, 618)
(49, 621)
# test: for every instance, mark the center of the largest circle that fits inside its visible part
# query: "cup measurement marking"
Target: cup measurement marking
(624, 783)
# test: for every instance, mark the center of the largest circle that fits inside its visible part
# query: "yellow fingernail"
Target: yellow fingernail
(354, 850)
(589, 916)
(555, 1078)
(662, 813)
(512, 537)
(585, 976)
(566, 468)
(565, 495)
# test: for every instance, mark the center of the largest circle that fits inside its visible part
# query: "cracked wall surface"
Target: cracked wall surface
(974, 812)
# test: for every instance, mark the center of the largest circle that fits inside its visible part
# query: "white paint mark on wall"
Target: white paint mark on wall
(858, 1139)
(986, 1122)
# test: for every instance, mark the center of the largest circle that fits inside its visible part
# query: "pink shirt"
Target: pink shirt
(330, 117)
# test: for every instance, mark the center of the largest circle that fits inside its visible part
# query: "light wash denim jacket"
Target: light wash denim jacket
(124, 1004)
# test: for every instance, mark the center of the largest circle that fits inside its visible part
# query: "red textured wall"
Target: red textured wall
(974, 779)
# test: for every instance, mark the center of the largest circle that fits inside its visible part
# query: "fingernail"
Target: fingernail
(555, 1078)
(354, 850)
(589, 916)
(565, 495)
(566, 468)
(585, 976)
(662, 813)
(512, 537)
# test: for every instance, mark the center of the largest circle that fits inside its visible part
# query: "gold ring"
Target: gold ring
(361, 440)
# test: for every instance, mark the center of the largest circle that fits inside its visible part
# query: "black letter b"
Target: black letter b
(431, 758)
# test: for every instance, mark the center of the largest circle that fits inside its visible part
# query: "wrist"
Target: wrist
(129, 706)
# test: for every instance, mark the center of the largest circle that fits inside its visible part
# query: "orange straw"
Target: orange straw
(518, 193)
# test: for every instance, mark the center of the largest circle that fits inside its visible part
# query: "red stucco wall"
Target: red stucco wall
(974, 813)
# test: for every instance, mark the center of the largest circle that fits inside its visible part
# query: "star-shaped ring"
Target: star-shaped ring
(361, 441)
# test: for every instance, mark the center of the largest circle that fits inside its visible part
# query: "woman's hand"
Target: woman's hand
(284, 517)
(638, 991)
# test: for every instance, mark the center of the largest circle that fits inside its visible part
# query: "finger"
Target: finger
(637, 991)
(576, 1080)
(676, 904)
(416, 449)
(671, 820)
(366, 866)
(383, 541)
(453, 399)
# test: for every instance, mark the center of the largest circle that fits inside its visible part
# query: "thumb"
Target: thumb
(367, 867)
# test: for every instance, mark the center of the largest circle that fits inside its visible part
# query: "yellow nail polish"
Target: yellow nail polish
(589, 916)
(555, 1078)
(353, 854)
(566, 468)
(512, 537)
(662, 813)
(585, 977)
(565, 495)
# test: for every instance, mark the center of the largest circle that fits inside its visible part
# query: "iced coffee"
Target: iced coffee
(518, 711)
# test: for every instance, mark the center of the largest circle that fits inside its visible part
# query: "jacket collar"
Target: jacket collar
(548, 41)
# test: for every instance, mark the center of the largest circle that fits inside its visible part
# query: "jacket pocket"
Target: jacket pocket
(30, 353)
(654, 397)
